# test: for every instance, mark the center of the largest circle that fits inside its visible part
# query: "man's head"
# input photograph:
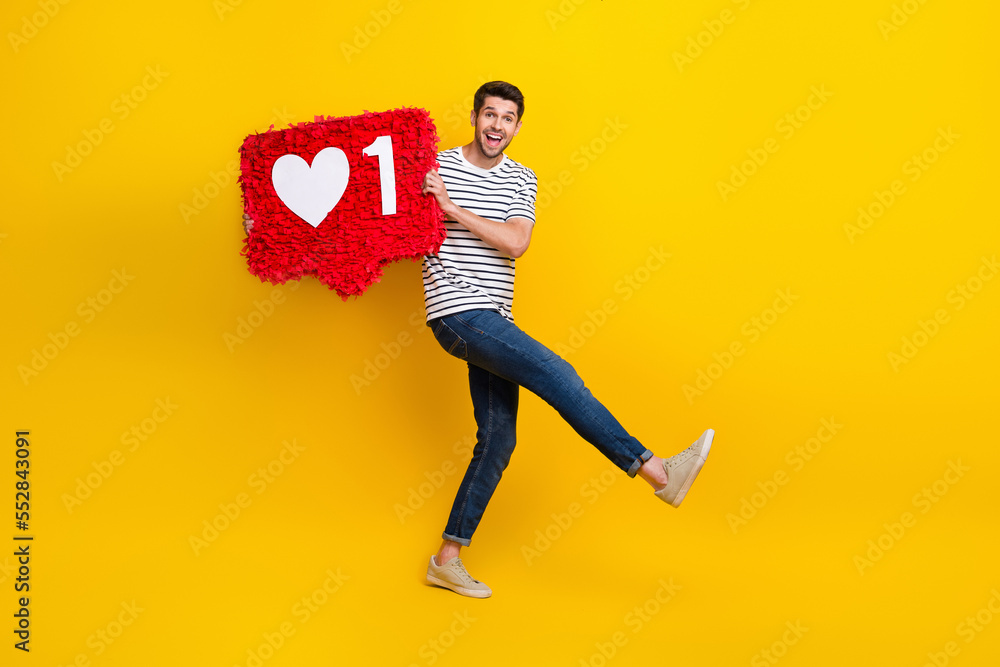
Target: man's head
(501, 89)
(496, 114)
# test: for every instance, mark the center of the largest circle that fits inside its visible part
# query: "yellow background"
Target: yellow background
(651, 182)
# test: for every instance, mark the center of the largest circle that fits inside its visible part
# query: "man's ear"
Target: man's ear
(472, 118)
(517, 128)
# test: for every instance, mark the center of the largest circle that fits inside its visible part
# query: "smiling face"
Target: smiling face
(496, 126)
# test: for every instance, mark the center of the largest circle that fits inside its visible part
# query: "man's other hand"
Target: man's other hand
(434, 184)
(247, 223)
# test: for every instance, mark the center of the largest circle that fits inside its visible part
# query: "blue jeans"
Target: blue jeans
(501, 358)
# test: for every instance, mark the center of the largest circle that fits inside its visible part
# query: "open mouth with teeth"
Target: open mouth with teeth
(493, 139)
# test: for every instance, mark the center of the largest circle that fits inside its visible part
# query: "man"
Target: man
(489, 201)
(468, 293)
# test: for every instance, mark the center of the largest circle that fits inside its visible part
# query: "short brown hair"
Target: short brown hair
(501, 89)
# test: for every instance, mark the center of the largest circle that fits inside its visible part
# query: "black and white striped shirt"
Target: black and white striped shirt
(466, 273)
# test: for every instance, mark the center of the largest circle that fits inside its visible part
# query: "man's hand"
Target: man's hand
(511, 237)
(434, 185)
(247, 223)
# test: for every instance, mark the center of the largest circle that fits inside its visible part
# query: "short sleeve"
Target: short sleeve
(523, 203)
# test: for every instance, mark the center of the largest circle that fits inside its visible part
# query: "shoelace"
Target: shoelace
(676, 459)
(463, 573)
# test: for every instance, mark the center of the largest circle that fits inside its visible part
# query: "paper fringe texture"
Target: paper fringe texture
(348, 249)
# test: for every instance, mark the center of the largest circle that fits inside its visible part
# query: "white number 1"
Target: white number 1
(382, 147)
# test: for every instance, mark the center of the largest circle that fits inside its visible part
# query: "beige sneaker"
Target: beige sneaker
(683, 468)
(453, 575)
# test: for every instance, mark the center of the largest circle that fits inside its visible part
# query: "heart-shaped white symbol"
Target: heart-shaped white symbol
(311, 192)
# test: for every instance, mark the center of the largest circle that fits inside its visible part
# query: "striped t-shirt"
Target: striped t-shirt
(466, 273)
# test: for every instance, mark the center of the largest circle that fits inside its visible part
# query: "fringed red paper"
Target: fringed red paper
(348, 249)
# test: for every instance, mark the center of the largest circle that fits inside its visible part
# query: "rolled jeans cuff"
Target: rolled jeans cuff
(645, 456)
(464, 541)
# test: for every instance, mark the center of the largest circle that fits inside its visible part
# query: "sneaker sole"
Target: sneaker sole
(461, 590)
(702, 456)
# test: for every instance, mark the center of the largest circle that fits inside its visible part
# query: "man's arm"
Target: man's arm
(511, 238)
